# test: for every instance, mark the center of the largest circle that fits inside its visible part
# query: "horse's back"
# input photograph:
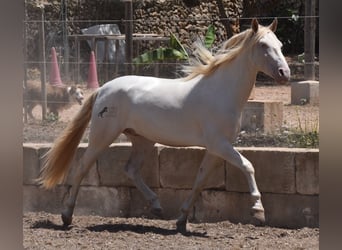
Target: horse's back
(143, 89)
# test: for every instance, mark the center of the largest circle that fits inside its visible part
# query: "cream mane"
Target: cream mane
(205, 63)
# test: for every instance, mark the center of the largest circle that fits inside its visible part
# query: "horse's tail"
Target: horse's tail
(57, 160)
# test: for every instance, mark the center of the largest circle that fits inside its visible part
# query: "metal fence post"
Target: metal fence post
(309, 40)
(129, 35)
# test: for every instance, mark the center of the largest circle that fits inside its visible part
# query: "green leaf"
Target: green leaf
(176, 51)
(175, 44)
(209, 36)
(159, 54)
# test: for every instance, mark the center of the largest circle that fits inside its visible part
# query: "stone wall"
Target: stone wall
(188, 23)
(150, 16)
(287, 178)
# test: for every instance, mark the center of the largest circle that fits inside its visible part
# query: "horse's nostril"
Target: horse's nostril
(281, 72)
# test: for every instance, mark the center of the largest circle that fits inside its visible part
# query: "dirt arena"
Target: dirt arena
(44, 231)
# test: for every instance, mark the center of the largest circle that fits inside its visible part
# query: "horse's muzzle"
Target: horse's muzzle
(283, 75)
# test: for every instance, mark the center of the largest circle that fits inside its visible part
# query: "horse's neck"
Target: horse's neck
(235, 80)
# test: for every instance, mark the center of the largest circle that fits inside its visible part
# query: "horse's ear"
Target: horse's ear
(273, 25)
(255, 25)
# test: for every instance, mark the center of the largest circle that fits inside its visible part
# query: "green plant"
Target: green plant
(175, 51)
(306, 135)
(305, 139)
(51, 117)
(209, 36)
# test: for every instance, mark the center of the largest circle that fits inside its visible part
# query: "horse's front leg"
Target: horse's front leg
(206, 168)
(225, 150)
(141, 150)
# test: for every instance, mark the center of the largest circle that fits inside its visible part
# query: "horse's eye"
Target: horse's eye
(264, 45)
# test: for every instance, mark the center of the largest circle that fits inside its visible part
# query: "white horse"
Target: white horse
(203, 109)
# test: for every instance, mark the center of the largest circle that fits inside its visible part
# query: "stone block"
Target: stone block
(291, 211)
(172, 200)
(43, 149)
(262, 115)
(103, 201)
(214, 206)
(304, 92)
(92, 178)
(31, 166)
(38, 199)
(139, 207)
(111, 165)
(307, 172)
(287, 178)
(179, 166)
(274, 171)
(281, 210)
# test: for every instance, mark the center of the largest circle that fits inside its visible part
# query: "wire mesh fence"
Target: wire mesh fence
(73, 49)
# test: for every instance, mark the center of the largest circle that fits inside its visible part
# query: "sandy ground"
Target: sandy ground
(44, 231)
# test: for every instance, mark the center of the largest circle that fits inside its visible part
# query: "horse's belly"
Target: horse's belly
(177, 139)
(170, 139)
(169, 129)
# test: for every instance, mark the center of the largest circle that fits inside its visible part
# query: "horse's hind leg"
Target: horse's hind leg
(141, 149)
(97, 143)
(207, 167)
(84, 166)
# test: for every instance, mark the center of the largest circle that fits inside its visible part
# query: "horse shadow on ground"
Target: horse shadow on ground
(121, 227)
(142, 229)
(47, 224)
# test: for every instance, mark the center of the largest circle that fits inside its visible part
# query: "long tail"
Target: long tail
(57, 160)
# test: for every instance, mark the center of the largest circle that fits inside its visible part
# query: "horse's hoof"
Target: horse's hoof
(181, 226)
(258, 218)
(157, 212)
(66, 220)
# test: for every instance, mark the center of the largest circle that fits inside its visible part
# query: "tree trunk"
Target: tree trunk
(224, 18)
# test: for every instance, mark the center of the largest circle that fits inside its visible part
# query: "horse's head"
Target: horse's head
(76, 93)
(267, 53)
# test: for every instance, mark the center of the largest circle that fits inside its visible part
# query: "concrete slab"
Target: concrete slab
(274, 171)
(214, 206)
(171, 201)
(179, 166)
(111, 165)
(31, 165)
(304, 92)
(262, 115)
(281, 210)
(104, 201)
(39, 199)
(291, 211)
(92, 178)
(287, 178)
(307, 172)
